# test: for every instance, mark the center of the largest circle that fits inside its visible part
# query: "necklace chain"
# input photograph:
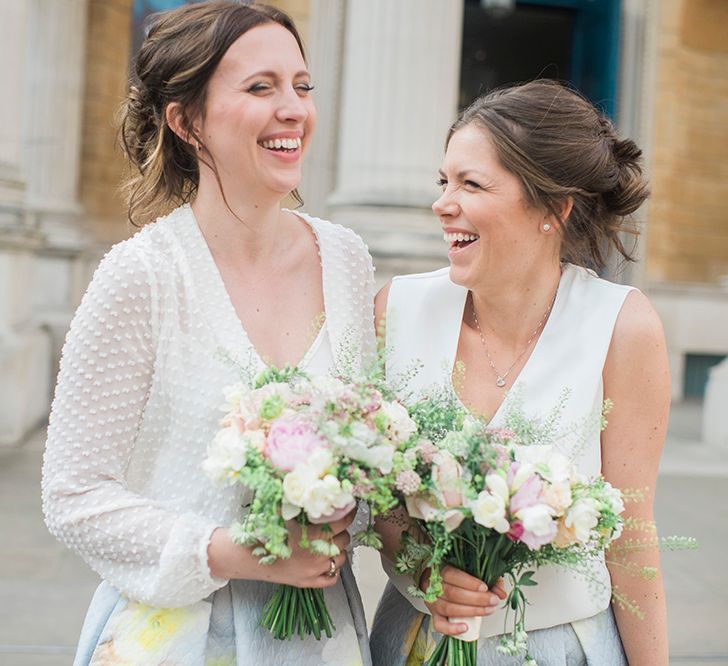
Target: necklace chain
(500, 379)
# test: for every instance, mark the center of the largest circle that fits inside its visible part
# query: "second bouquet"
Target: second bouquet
(494, 503)
(309, 449)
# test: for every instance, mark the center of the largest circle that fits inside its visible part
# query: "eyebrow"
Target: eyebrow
(273, 75)
(462, 174)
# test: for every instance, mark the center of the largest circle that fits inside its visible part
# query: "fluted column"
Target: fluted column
(55, 59)
(13, 33)
(325, 48)
(399, 96)
(40, 217)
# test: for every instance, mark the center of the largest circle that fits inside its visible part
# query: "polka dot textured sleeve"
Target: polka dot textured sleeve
(151, 552)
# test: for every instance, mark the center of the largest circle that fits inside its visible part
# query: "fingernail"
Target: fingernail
(494, 600)
(463, 628)
(483, 587)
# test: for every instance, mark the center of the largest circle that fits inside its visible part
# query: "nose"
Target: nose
(293, 108)
(445, 205)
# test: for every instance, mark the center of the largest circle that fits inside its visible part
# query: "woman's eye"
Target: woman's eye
(471, 184)
(304, 87)
(441, 182)
(259, 87)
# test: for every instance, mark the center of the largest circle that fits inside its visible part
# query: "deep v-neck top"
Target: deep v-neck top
(424, 318)
(317, 357)
(151, 348)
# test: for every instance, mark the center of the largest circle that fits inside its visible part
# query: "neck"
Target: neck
(246, 229)
(511, 309)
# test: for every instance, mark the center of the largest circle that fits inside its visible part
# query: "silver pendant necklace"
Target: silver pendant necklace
(500, 379)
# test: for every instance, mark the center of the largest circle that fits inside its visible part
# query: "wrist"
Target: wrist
(228, 560)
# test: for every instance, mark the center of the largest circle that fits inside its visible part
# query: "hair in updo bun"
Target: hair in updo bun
(175, 64)
(559, 145)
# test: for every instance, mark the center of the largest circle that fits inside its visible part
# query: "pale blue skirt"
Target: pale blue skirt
(402, 636)
(221, 630)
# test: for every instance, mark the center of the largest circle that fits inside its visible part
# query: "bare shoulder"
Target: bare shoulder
(638, 329)
(637, 357)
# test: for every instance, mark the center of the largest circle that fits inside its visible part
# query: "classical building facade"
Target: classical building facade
(390, 77)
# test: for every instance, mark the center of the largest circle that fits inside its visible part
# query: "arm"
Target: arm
(637, 380)
(149, 553)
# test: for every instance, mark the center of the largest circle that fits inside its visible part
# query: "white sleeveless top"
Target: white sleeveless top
(424, 316)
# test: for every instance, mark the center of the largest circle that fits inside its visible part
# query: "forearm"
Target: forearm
(645, 640)
(228, 560)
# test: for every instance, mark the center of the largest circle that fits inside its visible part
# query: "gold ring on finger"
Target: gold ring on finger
(331, 573)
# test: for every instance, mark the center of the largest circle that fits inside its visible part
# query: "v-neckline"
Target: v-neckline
(231, 315)
(545, 334)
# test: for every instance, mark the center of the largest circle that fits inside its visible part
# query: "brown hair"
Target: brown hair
(559, 145)
(175, 64)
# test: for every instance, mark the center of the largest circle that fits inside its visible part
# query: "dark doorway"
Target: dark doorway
(568, 40)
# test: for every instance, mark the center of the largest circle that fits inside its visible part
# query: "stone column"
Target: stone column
(325, 48)
(13, 33)
(55, 75)
(40, 145)
(399, 96)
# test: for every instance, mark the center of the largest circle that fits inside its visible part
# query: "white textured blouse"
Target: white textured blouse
(153, 343)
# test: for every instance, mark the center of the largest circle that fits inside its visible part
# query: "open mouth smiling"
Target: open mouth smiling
(458, 240)
(282, 145)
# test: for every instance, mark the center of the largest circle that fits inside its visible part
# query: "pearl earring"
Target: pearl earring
(199, 146)
(546, 227)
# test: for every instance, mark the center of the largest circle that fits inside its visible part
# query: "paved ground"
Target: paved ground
(44, 589)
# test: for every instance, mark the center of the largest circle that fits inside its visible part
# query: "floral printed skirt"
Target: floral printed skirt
(402, 636)
(221, 630)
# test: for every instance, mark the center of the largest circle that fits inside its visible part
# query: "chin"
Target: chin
(460, 275)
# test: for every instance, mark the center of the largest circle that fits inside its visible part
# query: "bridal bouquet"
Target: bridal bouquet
(493, 504)
(309, 448)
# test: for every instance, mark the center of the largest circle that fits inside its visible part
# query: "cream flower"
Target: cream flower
(537, 519)
(324, 496)
(401, 427)
(582, 517)
(226, 454)
(489, 510)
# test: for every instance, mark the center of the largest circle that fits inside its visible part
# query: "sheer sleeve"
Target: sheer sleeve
(149, 553)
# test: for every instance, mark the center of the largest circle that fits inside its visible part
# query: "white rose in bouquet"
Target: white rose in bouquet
(582, 518)
(401, 427)
(226, 454)
(490, 511)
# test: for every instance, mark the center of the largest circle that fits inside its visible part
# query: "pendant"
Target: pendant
(500, 382)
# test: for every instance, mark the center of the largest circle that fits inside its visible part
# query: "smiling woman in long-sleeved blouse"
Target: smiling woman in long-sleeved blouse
(218, 121)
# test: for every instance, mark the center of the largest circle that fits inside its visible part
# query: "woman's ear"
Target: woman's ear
(175, 117)
(564, 209)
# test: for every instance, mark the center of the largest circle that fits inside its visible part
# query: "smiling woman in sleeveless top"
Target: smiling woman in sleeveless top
(535, 187)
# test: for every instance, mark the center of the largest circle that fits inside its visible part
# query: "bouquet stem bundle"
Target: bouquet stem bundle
(487, 556)
(294, 610)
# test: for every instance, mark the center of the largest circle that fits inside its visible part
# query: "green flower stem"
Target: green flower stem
(295, 611)
(485, 556)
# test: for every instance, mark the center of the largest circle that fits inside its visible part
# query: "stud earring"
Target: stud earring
(546, 227)
(199, 146)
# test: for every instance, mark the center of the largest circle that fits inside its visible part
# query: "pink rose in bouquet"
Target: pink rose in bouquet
(291, 441)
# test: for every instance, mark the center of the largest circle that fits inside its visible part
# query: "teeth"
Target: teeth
(455, 238)
(278, 144)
